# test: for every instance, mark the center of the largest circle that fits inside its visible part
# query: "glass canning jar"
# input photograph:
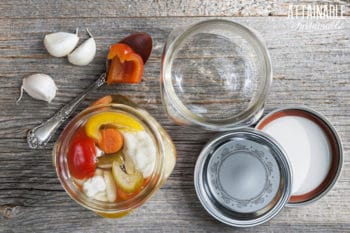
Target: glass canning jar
(215, 74)
(165, 157)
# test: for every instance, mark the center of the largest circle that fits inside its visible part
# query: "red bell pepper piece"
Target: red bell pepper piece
(125, 66)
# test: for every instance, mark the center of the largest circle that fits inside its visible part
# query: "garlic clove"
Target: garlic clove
(100, 196)
(99, 172)
(60, 44)
(111, 188)
(83, 54)
(39, 86)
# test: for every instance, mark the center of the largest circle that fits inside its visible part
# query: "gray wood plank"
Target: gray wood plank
(155, 8)
(311, 67)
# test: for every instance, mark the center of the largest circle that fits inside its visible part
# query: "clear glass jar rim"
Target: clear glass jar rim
(171, 48)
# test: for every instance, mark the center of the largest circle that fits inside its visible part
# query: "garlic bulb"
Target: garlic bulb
(85, 53)
(60, 44)
(39, 86)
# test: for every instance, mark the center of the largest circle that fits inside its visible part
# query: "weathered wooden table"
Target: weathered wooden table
(311, 62)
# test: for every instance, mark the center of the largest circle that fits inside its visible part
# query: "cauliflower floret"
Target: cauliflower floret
(139, 146)
(94, 185)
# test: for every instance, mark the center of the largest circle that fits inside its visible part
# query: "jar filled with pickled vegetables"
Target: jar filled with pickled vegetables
(113, 156)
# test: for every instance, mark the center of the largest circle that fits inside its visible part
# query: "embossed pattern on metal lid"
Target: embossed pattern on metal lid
(243, 178)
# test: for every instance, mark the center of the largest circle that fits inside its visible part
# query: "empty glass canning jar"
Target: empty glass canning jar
(215, 74)
(165, 157)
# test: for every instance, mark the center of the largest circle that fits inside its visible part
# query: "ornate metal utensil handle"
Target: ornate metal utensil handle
(40, 135)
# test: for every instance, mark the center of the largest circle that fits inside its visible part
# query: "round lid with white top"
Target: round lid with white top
(312, 146)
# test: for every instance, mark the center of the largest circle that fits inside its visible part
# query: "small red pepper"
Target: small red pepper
(125, 66)
(81, 156)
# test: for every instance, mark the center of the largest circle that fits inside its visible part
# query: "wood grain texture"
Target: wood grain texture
(311, 63)
(154, 8)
